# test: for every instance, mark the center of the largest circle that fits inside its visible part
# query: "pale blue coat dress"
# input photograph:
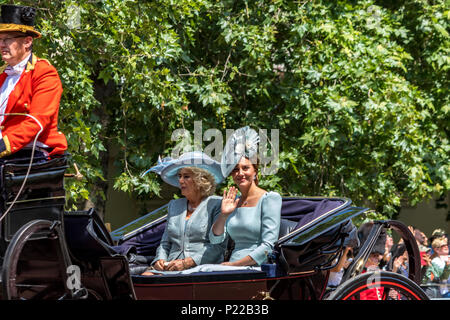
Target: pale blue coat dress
(253, 229)
(190, 238)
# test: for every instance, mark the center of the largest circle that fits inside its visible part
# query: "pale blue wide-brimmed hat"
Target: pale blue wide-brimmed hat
(168, 167)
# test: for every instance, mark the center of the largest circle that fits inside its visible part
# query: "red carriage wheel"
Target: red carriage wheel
(382, 285)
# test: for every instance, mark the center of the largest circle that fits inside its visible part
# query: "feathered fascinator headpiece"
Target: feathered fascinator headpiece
(242, 143)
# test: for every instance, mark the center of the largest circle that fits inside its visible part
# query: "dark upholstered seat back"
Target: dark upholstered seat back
(103, 270)
(43, 195)
(306, 210)
(286, 227)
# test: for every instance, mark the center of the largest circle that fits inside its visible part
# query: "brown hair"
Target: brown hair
(255, 166)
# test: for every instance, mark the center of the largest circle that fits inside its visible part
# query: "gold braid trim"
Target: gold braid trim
(30, 66)
(7, 152)
(18, 27)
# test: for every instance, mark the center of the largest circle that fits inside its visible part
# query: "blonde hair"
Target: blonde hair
(203, 180)
(439, 242)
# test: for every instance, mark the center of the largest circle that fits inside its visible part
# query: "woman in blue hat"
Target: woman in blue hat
(185, 242)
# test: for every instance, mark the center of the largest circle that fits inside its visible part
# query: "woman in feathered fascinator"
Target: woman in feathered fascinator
(252, 220)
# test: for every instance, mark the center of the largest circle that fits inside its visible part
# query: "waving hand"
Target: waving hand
(229, 201)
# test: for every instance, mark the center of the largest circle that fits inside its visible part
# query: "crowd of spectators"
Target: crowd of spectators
(390, 256)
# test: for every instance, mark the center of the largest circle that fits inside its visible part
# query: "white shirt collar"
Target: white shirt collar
(18, 68)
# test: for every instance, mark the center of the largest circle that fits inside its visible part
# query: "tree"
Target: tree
(358, 89)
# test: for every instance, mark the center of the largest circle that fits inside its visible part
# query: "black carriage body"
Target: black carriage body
(32, 245)
(42, 257)
(313, 232)
(43, 195)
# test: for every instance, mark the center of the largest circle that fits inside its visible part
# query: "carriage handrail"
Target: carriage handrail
(412, 248)
(147, 221)
(328, 221)
(359, 262)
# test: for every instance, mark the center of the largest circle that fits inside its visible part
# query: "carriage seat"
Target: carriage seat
(286, 227)
(104, 270)
(87, 236)
(139, 263)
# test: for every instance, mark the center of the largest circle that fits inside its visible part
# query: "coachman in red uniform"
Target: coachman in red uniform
(28, 86)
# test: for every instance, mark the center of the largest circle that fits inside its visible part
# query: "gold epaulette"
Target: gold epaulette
(42, 59)
(30, 65)
(34, 60)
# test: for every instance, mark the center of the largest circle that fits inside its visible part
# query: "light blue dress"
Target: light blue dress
(189, 238)
(253, 229)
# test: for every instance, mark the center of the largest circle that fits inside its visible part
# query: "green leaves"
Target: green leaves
(137, 185)
(358, 90)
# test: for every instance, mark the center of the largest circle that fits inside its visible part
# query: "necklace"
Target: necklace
(191, 208)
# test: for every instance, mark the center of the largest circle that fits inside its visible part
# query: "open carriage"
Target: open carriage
(52, 254)
(313, 233)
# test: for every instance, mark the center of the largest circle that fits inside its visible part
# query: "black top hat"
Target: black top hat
(18, 18)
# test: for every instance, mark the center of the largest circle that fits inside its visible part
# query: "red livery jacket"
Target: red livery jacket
(37, 93)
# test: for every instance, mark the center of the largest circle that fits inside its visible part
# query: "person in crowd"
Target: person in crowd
(422, 240)
(400, 260)
(437, 233)
(30, 90)
(251, 220)
(422, 244)
(425, 262)
(387, 251)
(335, 277)
(439, 271)
(185, 242)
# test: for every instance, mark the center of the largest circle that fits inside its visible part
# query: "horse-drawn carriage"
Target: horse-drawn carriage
(52, 254)
(313, 235)
(48, 253)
